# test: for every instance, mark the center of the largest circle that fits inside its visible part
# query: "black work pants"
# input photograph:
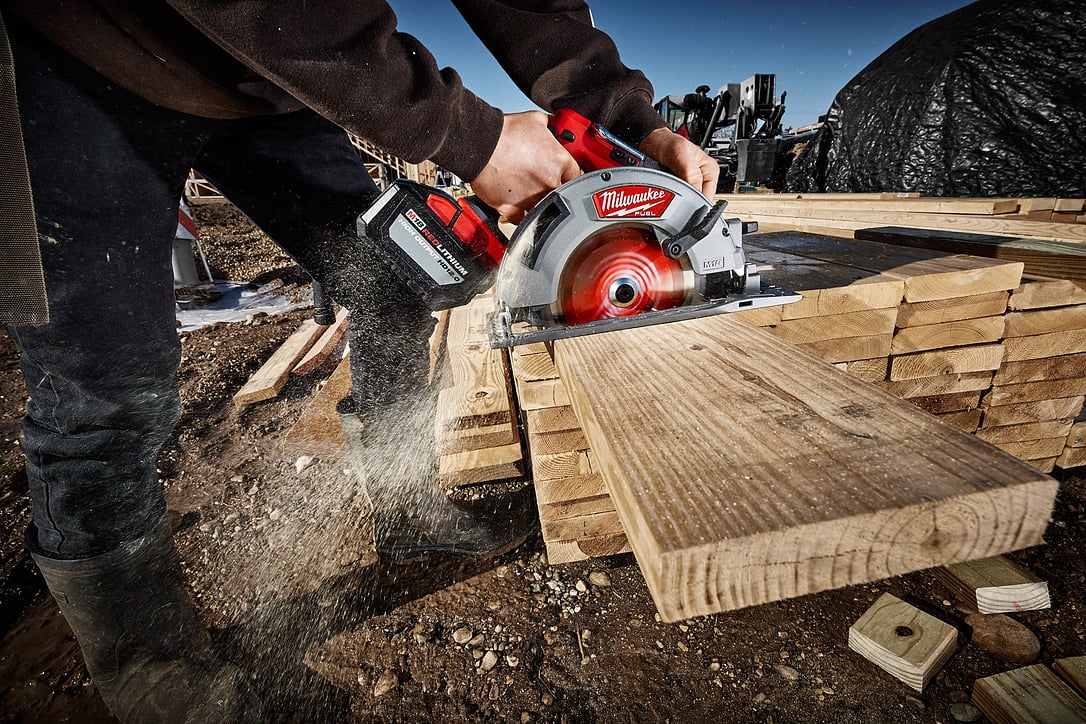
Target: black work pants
(107, 171)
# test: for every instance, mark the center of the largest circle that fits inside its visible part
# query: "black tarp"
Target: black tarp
(987, 101)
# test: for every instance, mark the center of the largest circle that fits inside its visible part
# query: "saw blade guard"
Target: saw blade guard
(596, 242)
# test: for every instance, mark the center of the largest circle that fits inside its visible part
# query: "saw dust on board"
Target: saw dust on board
(277, 550)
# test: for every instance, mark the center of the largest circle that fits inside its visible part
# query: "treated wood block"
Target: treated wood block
(947, 334)
(1043, 369)
(552, 419)
(958, 360)
(576, 508)
(1025, 431)
(817, 469)
(533, 366)
(903, 641)
(539, 394)
(938, 385)
(559, 552)
(996, 585)
(761, 317)
(864, 323)
(547, 443)
(454, 440)
(480, 466)
(1045, 345)
(561, 490)
(1033, 449)
(869, 370)
(850, 348)
(1044, 321)
(936, 311)
(1064, 408)
(271, 378)
(1039, 294)
(954, 402)
(584, 526)
(571, 464)
(1072, 670)
(1030, 695)
(1030, 391)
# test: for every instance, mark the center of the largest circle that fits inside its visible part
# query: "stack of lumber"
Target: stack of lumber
(476, 431)
(576, 515)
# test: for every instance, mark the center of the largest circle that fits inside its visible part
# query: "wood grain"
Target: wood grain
(807, 479)
(1030, 695)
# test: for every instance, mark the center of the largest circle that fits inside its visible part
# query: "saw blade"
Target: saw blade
(621, 271)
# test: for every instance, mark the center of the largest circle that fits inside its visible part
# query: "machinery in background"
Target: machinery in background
(740, 127)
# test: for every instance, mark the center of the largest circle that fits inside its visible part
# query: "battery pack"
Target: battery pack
(446, 249)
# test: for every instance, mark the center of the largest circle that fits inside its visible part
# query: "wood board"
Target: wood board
(808, 480)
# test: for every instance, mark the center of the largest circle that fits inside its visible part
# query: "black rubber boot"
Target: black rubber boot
(144, 646)
(412, 516)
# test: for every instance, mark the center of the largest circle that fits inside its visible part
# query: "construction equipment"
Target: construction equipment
(621, 246)
(727, 128)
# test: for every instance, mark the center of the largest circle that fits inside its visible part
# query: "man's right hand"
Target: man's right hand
(527, 164)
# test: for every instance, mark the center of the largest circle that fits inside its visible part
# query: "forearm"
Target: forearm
(346, 60)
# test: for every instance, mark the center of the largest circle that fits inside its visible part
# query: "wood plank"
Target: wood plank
(584, 526)
(1064, 367)
(791, 204)
(541, 394)
(1048, 258)
(559, 552)
(325, 346)
(548, 443)
(1044, 321)
(863, 323)
(532, 367)
(936, 311)
(1077, 436)
(902, 640)
(480, 466)
(1072, 670)
(869, 370)
(1025, 431)
(552, 419)
(318, 430)
(1045, 465)
(1047, 293)
(463, 439)
(956, 360)
(1064, 408)
(1033, 449)
(938, 384)
(1031, 391)
(271, 378)
(947, 334)
(1071, 457)
(475, 391)
(571, 464)
(996, 585)
(1029, 695)
(850, 348)
(775, 521)
(954, 402)
(561, 490)
(573, 508)
(968, 420)
(1045, 345)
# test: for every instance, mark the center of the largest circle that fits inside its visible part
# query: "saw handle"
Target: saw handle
(592, 146)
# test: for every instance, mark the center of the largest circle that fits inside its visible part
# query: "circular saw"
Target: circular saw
(623, 247)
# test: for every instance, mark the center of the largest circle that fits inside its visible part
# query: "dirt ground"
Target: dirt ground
(278, 557)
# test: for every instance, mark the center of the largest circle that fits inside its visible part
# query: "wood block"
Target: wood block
(584, 526)
(1030, 391)
(318, 429)
(552, 419)
(548, 443)
(480, 466)
(1068, 205)
(957, 360)
(937, 311)
(938, 385)
(455, 440)
(1044, 321)
(947, 334)
(903, 641)
(1072, 670)
(1040, 294)
(1033, 449)
(576, 508)
(869, 370)
(271, 378)
(533, 366)
(996, 585)
(572, 464)
(1043, 369)
(1032, 694)
(476, 390)
(796, 508)
(850, 348)
(864, 323)
(325, 346)
(953, 402)
(1071, 457)
(1064, 408)
(1025, 431)
(561, 490)
(1045, 345)
(1077, 436)
(559, 552)
(540, 394)
(1047, 465)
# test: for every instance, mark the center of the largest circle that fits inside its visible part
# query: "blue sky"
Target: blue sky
(814, 48)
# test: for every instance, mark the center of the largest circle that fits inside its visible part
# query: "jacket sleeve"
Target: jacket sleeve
(555, 55)
(346, 60)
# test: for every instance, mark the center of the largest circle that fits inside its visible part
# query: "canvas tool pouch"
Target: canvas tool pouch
(22, 283)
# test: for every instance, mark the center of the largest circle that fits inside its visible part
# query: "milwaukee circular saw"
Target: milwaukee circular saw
(623, 245)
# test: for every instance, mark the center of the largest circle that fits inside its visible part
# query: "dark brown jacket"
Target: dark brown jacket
(346, 60)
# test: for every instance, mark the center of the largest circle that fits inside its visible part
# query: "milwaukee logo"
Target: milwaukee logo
(638, 202)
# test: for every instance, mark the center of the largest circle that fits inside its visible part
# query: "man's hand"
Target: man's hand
(527, 164)
(683, 158)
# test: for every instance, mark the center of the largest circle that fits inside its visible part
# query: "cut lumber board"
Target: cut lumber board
(968, 420)
(318, 430)
(1072, 670)
(1077, 436)
(552, 419)
(1038, 294)
(1043, 345)
(1030, 695)
(953, 402)
(271, 378)
(1025, 431)
(958, 333)
(938, 384)
(850, 349)
(541, 394)
(1071, 457)
(1034, 449)
(822, 481)
(782, 205)
(869, 370)
(325, 346)
(937, 311)
(480, 466)
(1048, 258)
(1034, 391)
(475, 390)
(1044, 321)
(996, 585)
(902, 640)
(559, 552)
(951, 361)
(862, 323)
(562, 490)
(581, 526)
(1063, 408)
(1063, 367)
